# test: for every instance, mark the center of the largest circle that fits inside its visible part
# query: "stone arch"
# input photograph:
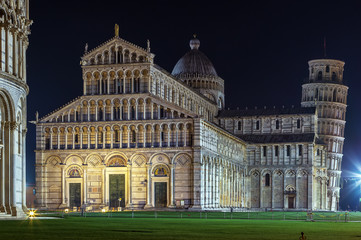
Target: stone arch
(290, 172)
(278, 172)
(265, 171)
(159, 158)
(302, 172)
(53, 161)
(182, 160)
(138, 160)
(116, 161)
(115, 154)
(6, 106)
(253, 171)
(74, 159)
(93, 160)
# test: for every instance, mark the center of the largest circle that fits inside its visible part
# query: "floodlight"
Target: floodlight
(32, 214)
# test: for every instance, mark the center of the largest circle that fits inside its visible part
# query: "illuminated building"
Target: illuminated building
(14, 31)
(140, 137)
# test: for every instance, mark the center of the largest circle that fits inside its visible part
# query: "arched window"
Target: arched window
(220, 103)
(3, 51)
(239, 125)
(77, 116)
(122, 84)
(267, 180)
(100, 115)
(105, 87)
(76, 140)
(10, 52)
(288, 150)
(47, 143)
(133, 113)
(277, 124)
(161, 112)
(319, 77)
(119, 90)
(264, 151)
(100, 134)
(334, 77)
(162, 136)
(116, 132)
(134, 136)
(327, 68)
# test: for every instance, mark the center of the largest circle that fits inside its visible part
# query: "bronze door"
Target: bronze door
(116, 190)
(290, 202)
(160, 192)
(75, 194)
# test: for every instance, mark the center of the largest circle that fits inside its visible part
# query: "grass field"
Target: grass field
(318, 216)
(174, 228)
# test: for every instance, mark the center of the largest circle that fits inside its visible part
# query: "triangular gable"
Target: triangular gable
(59, 111)
(117, 44)
(75, 105)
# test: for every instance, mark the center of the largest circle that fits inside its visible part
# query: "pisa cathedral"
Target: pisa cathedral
(143, 138)
(14, 31)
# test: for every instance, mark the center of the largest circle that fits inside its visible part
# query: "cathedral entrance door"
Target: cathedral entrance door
(290, 202)
(74, 194)
(160, 194)
(116, 190)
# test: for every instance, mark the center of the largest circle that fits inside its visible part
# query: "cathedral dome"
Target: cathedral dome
(194, 62)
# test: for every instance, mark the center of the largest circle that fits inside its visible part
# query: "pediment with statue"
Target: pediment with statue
(116, 51)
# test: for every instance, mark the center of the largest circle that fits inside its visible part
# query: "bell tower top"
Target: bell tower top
(326, 71)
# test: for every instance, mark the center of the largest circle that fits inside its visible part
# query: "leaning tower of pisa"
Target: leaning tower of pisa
(325, 90)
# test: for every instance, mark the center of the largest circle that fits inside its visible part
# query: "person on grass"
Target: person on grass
(302, 237)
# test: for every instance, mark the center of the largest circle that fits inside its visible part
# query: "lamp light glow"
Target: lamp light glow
(32, 214)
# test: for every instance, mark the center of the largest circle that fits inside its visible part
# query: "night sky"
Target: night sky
(260, 49)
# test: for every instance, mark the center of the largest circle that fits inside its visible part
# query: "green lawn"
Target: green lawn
(171, 228)
(318, 216)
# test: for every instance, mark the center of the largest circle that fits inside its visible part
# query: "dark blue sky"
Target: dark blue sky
(260, 49)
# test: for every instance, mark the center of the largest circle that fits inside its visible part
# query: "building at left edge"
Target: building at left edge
(14, 31)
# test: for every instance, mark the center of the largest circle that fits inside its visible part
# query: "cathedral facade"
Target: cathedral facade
(143, 138)
(14, 31)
